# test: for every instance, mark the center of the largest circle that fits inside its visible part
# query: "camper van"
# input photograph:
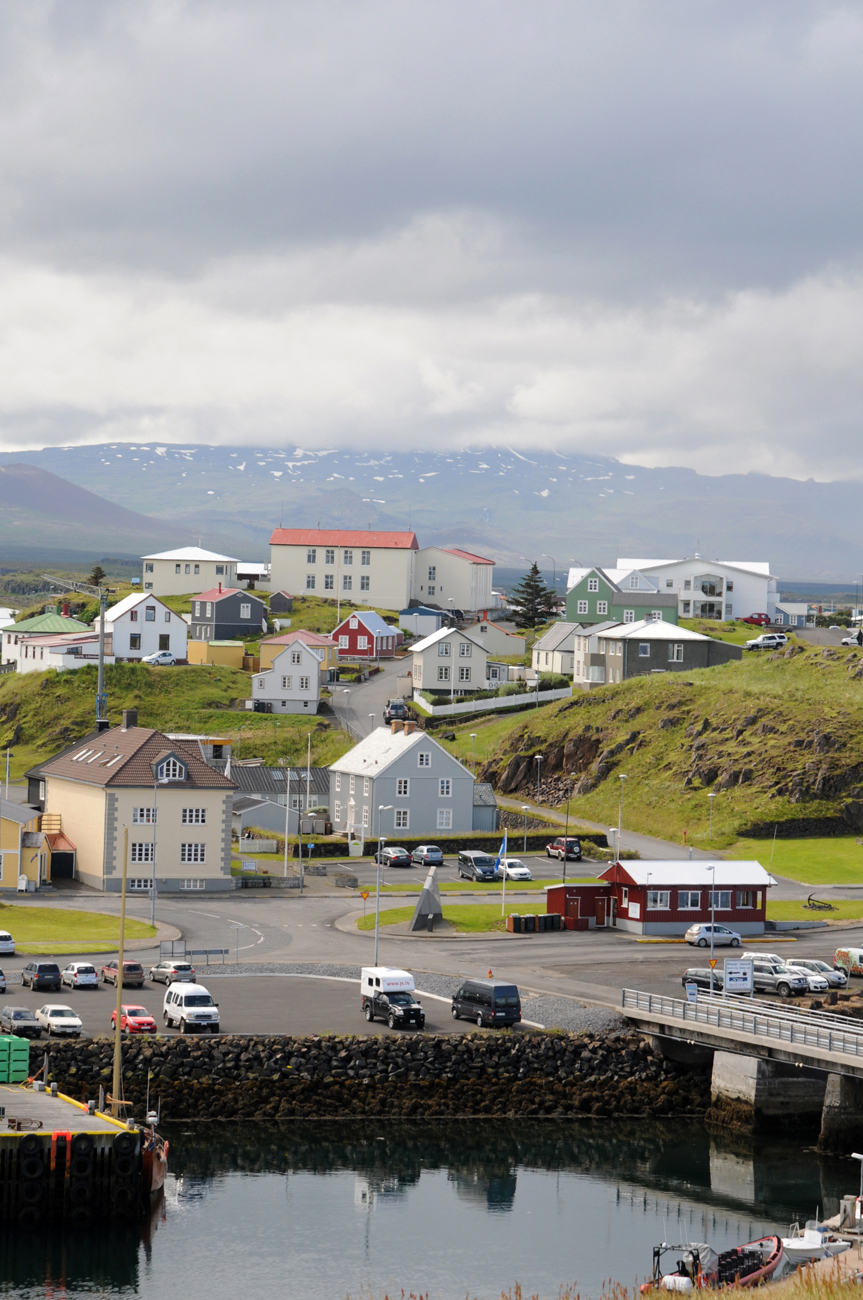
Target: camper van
(388, 994)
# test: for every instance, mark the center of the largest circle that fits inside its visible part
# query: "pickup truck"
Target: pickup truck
(769, 978)
(395, 711)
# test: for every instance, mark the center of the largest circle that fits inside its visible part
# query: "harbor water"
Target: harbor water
(321, 1211)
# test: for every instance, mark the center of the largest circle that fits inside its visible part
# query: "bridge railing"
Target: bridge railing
(760, 1020)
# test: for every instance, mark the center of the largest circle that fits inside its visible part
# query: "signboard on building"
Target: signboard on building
(738, 975)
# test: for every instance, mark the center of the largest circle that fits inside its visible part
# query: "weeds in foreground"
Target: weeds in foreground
(610, 1291)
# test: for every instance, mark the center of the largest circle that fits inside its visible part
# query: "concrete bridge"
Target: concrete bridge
(773, 1066)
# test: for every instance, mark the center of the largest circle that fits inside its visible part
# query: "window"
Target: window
(593, 584)
(138, 882)
(445, 787)
(402, 819)
(362, 643)
(167, 616)
(464, 649)
(311, 555)
(655, 616)
(444, 819)
(675, 654)
(220, 570)
(171, 770)
(633, 581)
(187, 568)
(365, 558)
(197, 568)
(364, 582)
(177, 568)
(669, 582)
(443, 672)
(337, 812)
(338, 782)
(353, 785)
(245, 611)
(142, 850)
(164, 642)
(347, 582)
(582, 607)
(629, 616)
(287, 684)
(329, 582)
(344, 642)
(186, 883)
(403, 787)
(296, 656)
(746, 898)
(658, 900)
(135, 641)
(719, 900)
(685, 606)
(729, 612)
(150, 614)
(353, 625)
(464, 674)
(347, 557)
(194, 817)
(424, 760)
(688, 900)
(644, 650)
(133, 616)
(432, 572)
(148, 586)
(209, 609)
(624, 897)
(431, 591)
(366, 818)
(602, 607)
(304, 683)
(192, 852)
(148, 568)
(443, 649)
(143, 816)
(310, 582)
(687, 584)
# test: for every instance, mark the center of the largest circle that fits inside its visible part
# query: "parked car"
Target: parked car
(7, 944)
(395, 857)
(473, 864)
(41, 975)
(699, 934)
(161, 659)
(20, 1021)
(700, 975)
(395, 710)
(55, 1018)
(818, 983)
(849, 960)
(171, 971)
(767, 641)
(837, 979)
(852, 639)
(133, 1020)
(759, 620)
(428, 855)
(488, 1002)
(133, 973)
(772, 957)
(565, 849)
(514, 869)
(190, 1009)
(2, 982)
(80, 975)
(769, 978)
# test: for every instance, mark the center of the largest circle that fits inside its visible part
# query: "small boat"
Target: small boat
(815, 1241)
(154, 1153)
(699, 1265)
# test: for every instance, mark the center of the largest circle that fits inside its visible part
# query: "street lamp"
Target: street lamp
(546, 556)
(473, 748)
(623, 779)
(712, 923)
(524, 808)
(372, 720)
(538, 760)
(382, 808)
(711, 797)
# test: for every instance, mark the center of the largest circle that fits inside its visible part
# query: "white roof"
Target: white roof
(697, 874)
(190, 553)
(761, 567)
(652, 630)
(128, 602)
(377, 751)
(441, 634)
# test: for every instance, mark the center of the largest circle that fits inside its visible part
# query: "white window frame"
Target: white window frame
(347, 582)
(171, 770)
(367, 786)
(337, 811)
(443, 649)
(310, 582)
(365, 582)
(443, 672)
(675, 652)
(311, 555)
(602, 607)
(330, 555)
(329, 581)
(444, 819)
(191, 882)
(402, 819)
(582, 607)
(193, 852)
(464, 674)
(593, 584)
(245, 610)
(424, 758)
(344, 642)
(403, 787)
(718, 905)
(347, 558)
(659, 900)
(684, 900)
(629, 616)
(296, 656)
(193, 817)
(465, 649)
(362, 643)
(143, 816)
(141, 851)
(338, 782)
(444, 788)
(644, 649)
(365, 558)
(305, 683)
(352, 785)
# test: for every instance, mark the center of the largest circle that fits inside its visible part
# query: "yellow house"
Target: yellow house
(24, 849)
(274, 645)
(228, 654)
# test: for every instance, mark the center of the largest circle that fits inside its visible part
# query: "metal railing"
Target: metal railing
(811, 1029)
(207, 953)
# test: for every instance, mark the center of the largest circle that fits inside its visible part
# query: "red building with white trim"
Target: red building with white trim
(666, 897)
(365, 635)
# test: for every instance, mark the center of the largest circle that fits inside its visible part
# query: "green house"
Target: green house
(620, 595)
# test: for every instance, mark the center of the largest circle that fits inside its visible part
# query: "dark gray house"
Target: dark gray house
(281, 602)
(618, 651)
(227, 614)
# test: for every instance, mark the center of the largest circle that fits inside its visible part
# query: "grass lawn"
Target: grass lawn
(735, 633)
(850, 909)
(832, 860)
(479, 918)
(49, 931)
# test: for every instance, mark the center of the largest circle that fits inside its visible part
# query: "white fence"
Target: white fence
(494, 702)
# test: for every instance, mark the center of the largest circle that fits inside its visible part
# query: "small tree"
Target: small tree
(97, 577)
(532, 602)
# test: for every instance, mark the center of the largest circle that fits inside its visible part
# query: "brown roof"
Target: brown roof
(123, 758)
(343, 537)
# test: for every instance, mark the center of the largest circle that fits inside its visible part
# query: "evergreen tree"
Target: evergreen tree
(97, 577)
(532, 602)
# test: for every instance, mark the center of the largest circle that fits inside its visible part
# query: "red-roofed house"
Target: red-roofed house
(453, 579)
(365, 635)
(362, 566)
(226, 613)
(324, 645)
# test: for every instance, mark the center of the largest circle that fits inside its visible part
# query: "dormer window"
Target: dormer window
(633, 581)
(593, 584)
(172, 770)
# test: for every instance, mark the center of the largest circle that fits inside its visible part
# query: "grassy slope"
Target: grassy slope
(814, 861)
(41, 712)
(43, 930)
(793, 704)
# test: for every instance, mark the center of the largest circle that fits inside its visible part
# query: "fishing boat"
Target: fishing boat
(699, 1265)
(154, 1157)
(815, 1241)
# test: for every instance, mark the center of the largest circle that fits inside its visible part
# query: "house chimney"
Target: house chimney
(130, 718)
(220, 584)
(65, 609)
(396, 725)
(410, 727)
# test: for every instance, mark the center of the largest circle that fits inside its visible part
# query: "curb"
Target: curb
(348, 925)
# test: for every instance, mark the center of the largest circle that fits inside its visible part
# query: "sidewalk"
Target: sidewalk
(646, 845)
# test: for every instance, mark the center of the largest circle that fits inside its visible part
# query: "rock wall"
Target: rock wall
(417, 1077)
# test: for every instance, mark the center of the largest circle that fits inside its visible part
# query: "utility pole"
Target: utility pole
(102, 593)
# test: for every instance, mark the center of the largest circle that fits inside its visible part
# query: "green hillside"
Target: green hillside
(777, 738)
(42, 712)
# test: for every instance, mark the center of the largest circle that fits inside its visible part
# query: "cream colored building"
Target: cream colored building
(453, 579)
(176, 808)
(364, 567)
(183, 572)
(497, 640)
(449, 661)
(24, 849)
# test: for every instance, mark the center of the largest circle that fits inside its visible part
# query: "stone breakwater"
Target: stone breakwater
(408, 1077)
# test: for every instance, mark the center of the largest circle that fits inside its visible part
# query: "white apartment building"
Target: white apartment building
(449, 661)
(713, 588)
(453, 579)
(292, 684)
(365, 567)
(140, 625)
(177, 573)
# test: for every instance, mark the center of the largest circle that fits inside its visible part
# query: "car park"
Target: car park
(487, 1002)
(172, 971)
(474, 864)
(20, 1021)
(190, 1008)
(565, 849)
(161, 659)
(394, 857)
(427, 855)
(41, 975)
(56, 1018)
(767, 641)
(134, 1019)
(699, 935)
(388, 994)
(700, 975)
(79, 975)
(133, 973)
(837, 979)
(514, 869)
(7, 944)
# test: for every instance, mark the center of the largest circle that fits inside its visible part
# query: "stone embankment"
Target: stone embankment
(409, 1077)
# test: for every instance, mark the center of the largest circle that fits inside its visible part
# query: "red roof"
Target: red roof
(465, 555)
(343, 537)
(301, 634)
(215, 594)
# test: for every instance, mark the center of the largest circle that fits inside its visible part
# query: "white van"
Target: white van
(189, 1006)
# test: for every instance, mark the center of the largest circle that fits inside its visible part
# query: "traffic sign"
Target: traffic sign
(364, 893)
(713, 963)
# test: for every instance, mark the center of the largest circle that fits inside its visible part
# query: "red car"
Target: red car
(758, 620)
(134, 1020)
(133, 973)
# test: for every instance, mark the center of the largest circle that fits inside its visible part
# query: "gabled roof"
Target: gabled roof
(462, 555)
(129, 602)
(122, 758)
(46, 623)
(759, 567)
(16, 812)
(559, 636)
(483, 795)
(315, 652)
(190, 553)
(617, 579)
(214, 594)
(344, 537)
(300, 634)
(441, 634)
(696, 874)
(647, 629)
(379, 750)
(422, 610)
(371, 621)
(272, 781)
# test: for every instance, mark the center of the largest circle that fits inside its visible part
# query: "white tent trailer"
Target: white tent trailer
(386, 979)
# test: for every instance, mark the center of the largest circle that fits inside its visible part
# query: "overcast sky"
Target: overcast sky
(632, 228)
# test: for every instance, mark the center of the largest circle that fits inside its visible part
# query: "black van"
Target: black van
(488, 1002)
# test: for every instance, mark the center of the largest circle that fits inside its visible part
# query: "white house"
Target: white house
(713, 588)
(450, 661)
(140, 624)
(453, 578)
(554, 651)
(189, 569)
(429, 792)
(374, 568)
(292, 684)
(60, 650)
(496, 639)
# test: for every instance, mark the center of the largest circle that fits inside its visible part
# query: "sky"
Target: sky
(617, 227)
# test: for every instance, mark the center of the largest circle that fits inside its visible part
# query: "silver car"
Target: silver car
(79, 975)
(699, 934)
(173, 971)
(836, 979)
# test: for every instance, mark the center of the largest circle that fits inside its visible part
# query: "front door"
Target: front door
(600, 911)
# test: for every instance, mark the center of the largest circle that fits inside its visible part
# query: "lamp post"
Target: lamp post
(346, 690)
(546, 556)
(473, 749)
(711, 797)
(565, 839)
(538, 760)
(623, 779)
(524, 808)
(712, 923)
(372, 720)
(382, 808)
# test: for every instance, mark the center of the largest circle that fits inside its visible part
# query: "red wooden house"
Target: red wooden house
(365, 635)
